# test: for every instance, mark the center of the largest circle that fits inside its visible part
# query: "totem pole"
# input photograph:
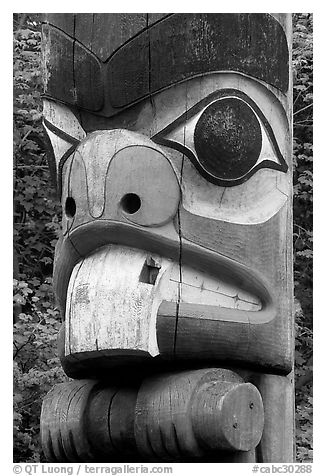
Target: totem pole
(171, 150)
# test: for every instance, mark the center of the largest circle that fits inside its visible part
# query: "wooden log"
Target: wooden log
(63, 426)
(277, 443)
(221, 418)
(196, 412)
(84, 420)
(178, 416)
(122, 421)
(175, 179)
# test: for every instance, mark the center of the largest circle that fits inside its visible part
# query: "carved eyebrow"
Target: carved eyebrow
(176, 48)
(173, 50)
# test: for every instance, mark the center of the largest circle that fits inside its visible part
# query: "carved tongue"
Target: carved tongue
(112, 303)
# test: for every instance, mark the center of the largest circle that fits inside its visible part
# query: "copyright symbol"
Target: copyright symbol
(17, 469)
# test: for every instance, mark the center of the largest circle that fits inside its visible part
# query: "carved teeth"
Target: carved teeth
(198, 288)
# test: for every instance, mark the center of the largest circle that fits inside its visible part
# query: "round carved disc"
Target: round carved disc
(228, 138)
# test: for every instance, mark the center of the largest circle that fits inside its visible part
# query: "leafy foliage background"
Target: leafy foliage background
(37, 218)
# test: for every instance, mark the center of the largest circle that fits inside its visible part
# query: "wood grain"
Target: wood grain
(155, 17)
(63, 21)
(147, 174)
(160, 269)
(187, 414)
(277, 441)
(107, 43)
(105, 33)
(78, 79)
(108, 307)
(63, 431)
(179, 41)
(228, 416)
(111, 165)
(180, 416)
(86, 421)
(64, 132)
(122, 421)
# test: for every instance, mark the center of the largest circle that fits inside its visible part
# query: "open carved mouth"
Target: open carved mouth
(116, 294)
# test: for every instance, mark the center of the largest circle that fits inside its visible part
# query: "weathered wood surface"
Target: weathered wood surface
(277, 393)
(170, 417)
(174, 173)
(193, 413)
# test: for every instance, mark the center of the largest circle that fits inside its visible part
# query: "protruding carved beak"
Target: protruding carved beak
(126, 278)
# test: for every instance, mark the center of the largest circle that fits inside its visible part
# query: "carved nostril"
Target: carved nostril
(70, 207)
(130, 203)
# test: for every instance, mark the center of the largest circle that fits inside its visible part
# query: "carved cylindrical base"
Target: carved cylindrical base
(84, 421)
(228, 416)
(64, 422)
(171, 417)
(190, 414)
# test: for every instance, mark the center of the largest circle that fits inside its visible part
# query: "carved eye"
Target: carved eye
(227, 138)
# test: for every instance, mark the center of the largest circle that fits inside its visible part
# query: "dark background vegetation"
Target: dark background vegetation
(37, 218)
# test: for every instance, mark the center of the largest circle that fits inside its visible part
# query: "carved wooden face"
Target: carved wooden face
(176, 205)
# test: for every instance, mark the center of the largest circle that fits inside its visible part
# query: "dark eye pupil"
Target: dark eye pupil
(228, 138)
